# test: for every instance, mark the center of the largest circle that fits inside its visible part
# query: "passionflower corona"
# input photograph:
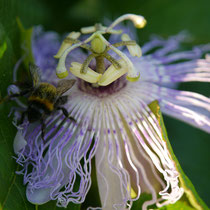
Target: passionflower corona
(116, 80)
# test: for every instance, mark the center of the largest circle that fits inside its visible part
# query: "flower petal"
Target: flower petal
(39, 196)
(44, 46)
(130, 154)
(56, 162)
(144, 126)
(108, 181)
(156, 71)
(111, 176)
(189, 107)
(19, 142)
(165, 46)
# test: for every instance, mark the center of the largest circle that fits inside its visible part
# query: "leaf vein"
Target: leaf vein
(10, 187)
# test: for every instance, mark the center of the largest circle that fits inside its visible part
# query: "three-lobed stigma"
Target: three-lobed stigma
(99, 49)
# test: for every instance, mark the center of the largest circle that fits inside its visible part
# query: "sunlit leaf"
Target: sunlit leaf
(190, 195)
(179, 205)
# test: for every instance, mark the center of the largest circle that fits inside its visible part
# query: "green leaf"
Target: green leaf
(26, 43)
(12, 190)
(138, 204)
(179, 205)
(190, 194)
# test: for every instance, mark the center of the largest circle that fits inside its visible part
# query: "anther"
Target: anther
(138, 21)
(134, 50)
(90, 76)
(72, 36)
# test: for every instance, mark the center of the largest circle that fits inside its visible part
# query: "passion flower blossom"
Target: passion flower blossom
(113, 121)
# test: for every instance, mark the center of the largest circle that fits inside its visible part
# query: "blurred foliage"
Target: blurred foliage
(165, 18)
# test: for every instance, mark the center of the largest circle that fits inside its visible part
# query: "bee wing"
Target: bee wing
(35, 74)
(64, 85)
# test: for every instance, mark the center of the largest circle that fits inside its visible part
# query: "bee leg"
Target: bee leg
(61, 101)
(22, 93)
(15, 109)
(22, 117)
(43, 129)
(66, 114)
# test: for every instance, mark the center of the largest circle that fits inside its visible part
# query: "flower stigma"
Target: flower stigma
(119, 62)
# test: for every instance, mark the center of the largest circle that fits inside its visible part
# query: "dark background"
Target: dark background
(165, 18)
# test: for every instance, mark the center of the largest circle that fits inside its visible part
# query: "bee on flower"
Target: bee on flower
(116, 81)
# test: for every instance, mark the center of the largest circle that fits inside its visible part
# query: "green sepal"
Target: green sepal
(190, 196)
(179, 205)
(26, 43)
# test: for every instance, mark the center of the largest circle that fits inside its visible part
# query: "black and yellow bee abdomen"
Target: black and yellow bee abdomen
(45, 95)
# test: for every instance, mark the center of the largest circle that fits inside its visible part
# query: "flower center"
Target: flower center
(102, 91)
(98, 49)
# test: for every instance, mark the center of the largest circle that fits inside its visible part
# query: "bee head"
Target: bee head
(34, 113)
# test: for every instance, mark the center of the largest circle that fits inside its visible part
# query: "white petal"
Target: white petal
(39, 197)
(189, 107)
(109, 182)
(19, 142)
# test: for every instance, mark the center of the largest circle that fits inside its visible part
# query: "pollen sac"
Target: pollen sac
(134, 50)
(61, 71)
(65, 45)
(133, 79)
(90, 76)
(112, 74)
(88, 29)
(139, 21)
(132, 75)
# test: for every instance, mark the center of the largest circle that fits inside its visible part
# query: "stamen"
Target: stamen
(72, 36)
(134, 50)
(88, 30)
(91, 76)
(92, 29)
(112, 74)
(61, 71)
(99, 47)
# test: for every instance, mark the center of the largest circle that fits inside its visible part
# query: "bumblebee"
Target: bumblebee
(43, 98)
